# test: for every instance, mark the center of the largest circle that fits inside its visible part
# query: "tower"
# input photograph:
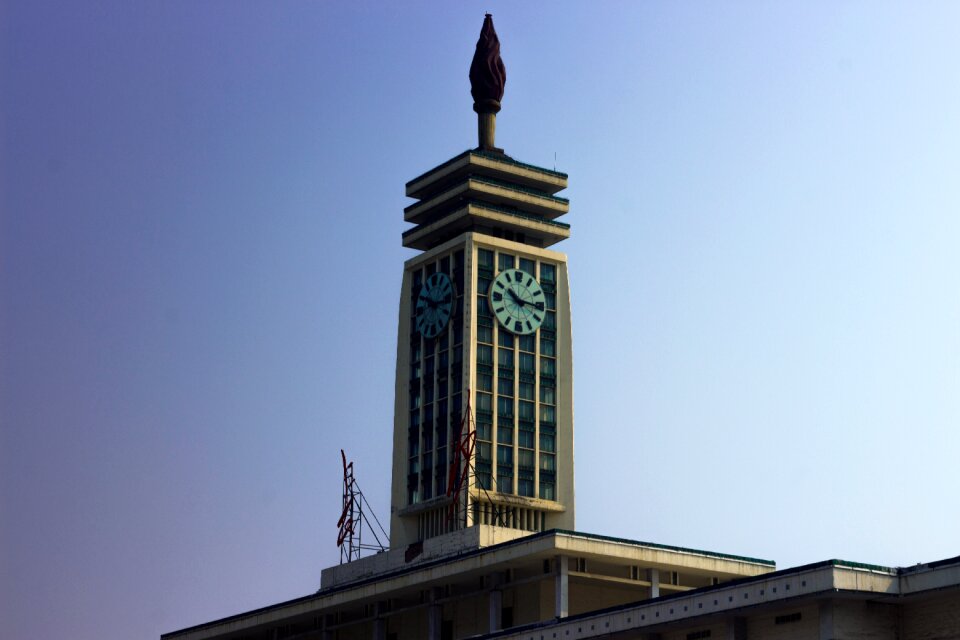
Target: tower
(484, 340)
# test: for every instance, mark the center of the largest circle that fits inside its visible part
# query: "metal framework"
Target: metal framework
(352, 517)
(461, 473)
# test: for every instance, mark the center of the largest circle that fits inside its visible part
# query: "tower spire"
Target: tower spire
(488, 76)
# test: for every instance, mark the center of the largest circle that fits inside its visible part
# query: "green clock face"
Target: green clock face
(518, 301)
(434, 305)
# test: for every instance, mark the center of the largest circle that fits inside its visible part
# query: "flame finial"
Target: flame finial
(488, 76)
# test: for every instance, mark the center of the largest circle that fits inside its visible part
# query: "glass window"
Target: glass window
(504, 481)
(431, 269)
(506, 261)
(429, 367)
(484, 480)
(505, 339)
(485, 334)
(529, 266)
(547, 346)
(505, 386)
(548, 442)
(457, 333)
(525, 487)
(526, 391)
(505, 435)
(484, 402)
(483, 309)
(548, 367)
(527, 342)
(415, 399)
(550, 320)
(526, 362)
(484, 430)
(547, 491)
(526, 410)
(525, 439)
(548, 462)
(551, 299)
(483, 451)
(505, 358)
(548, 414)
(548, 272)
(485, 258)
(445, 264)
(484, 382)
(483, 286)
(505, 407)
(415, 371)
(484, 354)
(504, 455)
(548, 394)
(444, 359)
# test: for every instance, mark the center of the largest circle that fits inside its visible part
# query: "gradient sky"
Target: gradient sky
(200, 218)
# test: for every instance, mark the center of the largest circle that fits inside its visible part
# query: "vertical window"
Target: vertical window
(506, 261)
(484, 354)
(548, 272)
(548, 367)
(485, 258)
(527, 343)
(529, 266)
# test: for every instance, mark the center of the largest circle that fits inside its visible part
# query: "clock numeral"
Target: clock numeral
(506, 276)
(497, 297)
(500, 310)
(499, 284)
(538, 318)
(518, 326)
(529, 326)
(539, 306)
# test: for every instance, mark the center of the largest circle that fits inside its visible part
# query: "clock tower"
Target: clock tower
(483, 418)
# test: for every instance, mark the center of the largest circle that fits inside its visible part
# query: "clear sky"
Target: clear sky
(200, 261)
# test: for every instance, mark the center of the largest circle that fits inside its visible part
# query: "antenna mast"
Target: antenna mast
(352, 517)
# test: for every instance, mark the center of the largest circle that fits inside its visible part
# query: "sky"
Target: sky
(200, 263)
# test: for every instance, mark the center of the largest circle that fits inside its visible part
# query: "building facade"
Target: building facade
(483, 541)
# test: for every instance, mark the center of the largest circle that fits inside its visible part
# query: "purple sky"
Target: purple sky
(200, 218)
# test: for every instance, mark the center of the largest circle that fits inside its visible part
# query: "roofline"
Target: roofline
(460, 556)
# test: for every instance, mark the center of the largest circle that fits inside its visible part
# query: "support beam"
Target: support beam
(562, 587)
(380, 621)
(434, 615)
(653, 575)
(826, 620)
(736, 629)
(495, 610)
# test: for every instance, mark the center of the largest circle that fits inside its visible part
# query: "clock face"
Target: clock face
(518, 301)
(434, 305)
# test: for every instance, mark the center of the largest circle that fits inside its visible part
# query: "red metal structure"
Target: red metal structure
(352, 517)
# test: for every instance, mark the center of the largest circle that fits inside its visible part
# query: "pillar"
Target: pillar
(562, 587)
(653, 575)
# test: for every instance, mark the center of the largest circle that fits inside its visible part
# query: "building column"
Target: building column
(496, 609)
(380, 621)
(434, 615)
(736, 629)
(826, 620)
(328, 621)
(562, 587)
(653, 575)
